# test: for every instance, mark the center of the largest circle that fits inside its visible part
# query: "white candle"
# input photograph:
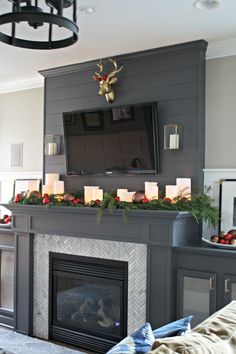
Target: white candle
(46, 189)
(32, 186)
(171, 192)
(174, 141)
(88, 193)
(120, 192)
(52, 148)
(97, 194)
(151, 190)
(50, 178)
(184, 187)
(127, 197)
(58, 187)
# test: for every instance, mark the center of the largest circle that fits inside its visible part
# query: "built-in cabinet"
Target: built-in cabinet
(196, 294)
(205, 281)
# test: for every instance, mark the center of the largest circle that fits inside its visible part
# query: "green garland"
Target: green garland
(199, 205)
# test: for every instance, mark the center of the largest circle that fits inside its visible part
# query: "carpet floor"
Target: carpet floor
(15, 343)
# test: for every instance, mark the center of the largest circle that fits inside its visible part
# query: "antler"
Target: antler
(112, 74)
(100, 66)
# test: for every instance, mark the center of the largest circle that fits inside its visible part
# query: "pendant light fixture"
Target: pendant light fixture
(51, 16)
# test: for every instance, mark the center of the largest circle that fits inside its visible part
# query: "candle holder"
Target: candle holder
(172, 137)
(52, 145)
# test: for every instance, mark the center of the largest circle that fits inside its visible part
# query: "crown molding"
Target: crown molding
(22, 85)
(219, 49)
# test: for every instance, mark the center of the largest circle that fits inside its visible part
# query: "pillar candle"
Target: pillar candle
(120, 192)
(151, 190)
(32, 186)
(88, 191)
(184, 187)
(50, 178)
(46, 189)
(127, 197)
(174, 141)
(171, 192)
(97, 194)
(58, 187)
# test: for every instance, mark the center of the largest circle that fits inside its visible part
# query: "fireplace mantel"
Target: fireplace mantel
(160, 231)
(152, 227)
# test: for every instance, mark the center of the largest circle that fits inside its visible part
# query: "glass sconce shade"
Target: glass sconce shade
(52, 144)
(172, 137)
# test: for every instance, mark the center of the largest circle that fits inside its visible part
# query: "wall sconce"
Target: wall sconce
(172, 137)
(52, 145)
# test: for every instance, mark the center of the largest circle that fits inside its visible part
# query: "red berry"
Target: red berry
(222, 241)
(117, 199)
(145, 200)
(75, 201)
(17, 200)
(167, 200)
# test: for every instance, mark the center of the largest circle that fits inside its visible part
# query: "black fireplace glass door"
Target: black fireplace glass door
(90, 304)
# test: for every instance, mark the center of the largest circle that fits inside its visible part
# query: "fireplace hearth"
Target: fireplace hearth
(88, 301)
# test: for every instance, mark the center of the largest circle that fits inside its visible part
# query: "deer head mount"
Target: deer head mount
(106, 82)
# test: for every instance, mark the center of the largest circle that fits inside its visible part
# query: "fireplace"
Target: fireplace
(87, 301)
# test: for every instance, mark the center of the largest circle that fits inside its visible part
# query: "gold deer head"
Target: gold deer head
(106, 82)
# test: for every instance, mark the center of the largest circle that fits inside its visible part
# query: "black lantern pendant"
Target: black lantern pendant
(28, 11)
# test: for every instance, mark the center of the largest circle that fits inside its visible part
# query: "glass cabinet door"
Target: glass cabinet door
(196, 294)
(229, 288)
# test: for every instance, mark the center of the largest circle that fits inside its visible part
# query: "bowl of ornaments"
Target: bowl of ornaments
(5, 221)
(223, 239)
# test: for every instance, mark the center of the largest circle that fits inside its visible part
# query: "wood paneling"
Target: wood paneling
(173, 76)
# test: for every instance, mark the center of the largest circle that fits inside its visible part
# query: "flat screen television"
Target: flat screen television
(112, 141)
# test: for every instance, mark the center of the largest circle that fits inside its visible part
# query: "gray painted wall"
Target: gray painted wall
(174, 76)
(220, 112)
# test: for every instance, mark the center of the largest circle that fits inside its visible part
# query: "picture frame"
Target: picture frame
(122, 114)
(26, 185)
(227, 203)
(92, 121)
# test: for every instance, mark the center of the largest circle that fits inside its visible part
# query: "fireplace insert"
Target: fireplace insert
(88, 301)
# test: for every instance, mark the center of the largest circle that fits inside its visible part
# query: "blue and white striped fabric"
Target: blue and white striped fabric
(139, 342)
(175, 328)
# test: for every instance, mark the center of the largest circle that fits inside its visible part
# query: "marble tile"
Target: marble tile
(16, 343)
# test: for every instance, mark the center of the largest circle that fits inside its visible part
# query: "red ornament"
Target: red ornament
(68, 197)
(7, 220)
(46, 201)
(184, 199)
(35, 194)
(117, 199)
(138, 197)
(167, 200)
(75, 201)
(17, 200)
(145, 200)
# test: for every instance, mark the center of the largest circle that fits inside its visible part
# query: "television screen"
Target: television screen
(118, 140)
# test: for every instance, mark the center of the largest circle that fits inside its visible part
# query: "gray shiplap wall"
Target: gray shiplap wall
(173, 76)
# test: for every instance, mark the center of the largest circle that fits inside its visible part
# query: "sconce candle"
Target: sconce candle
(184, 187)
(52, 148)
(174, 141)
(171, 192)
(58, 187)
(151, 190)
(46, 189)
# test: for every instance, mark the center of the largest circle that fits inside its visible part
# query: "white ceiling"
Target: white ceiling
(122, 26)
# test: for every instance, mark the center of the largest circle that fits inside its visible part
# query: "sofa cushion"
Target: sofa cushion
(175, 328)
(139, 342)
(192, 343)
(215, 335)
